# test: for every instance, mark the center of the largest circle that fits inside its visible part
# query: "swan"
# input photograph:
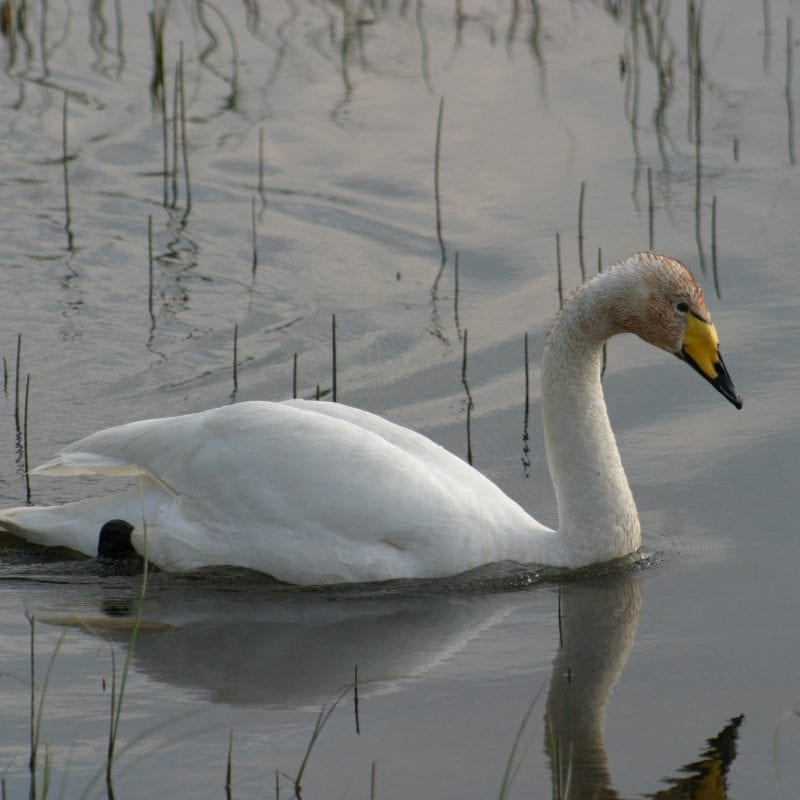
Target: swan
(323, 493)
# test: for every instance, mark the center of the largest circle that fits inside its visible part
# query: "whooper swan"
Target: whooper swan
(318, 492)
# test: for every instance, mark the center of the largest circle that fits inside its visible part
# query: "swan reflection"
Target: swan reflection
(252, 643)
(598, 622)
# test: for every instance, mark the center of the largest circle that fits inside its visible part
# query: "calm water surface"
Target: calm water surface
(609, 684)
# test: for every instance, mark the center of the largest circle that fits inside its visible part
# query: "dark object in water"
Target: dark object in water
(115, 540)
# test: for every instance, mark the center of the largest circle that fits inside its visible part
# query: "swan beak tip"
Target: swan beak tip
(724, 385)
(701, 352)
(718, 377)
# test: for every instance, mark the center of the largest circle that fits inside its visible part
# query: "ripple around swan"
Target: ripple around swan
(26, 563)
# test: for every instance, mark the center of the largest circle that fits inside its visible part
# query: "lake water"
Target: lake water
(678, 674)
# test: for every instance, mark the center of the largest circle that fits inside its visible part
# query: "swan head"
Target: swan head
(668, 310)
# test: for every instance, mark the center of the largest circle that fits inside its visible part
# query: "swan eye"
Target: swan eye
(682, 307)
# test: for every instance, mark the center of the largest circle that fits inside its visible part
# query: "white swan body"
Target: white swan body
(316, 493)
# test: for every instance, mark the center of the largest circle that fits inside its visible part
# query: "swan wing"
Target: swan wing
(251, 445)
(306, 491)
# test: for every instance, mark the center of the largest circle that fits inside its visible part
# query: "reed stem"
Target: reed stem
(26, 461)
(229, 769)
(254, 234)
(16, 379)
(355, 700)
(559, 271)
(437, 188)
(333, 356)
(235, 358)
(65, 165)
(261, 164)
(175, 134)
(456, 291)
(150, 266)
(184, 135)
(526, 461)
(714, 246)
(788, 89)
(580, 230)
(650, 209)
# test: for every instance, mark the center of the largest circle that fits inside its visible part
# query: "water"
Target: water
(660, 656)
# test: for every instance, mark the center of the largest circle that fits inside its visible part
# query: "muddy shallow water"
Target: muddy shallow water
(309, 148)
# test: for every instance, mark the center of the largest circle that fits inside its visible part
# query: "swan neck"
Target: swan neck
(597, 515)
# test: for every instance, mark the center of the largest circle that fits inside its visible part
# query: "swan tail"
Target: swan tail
(70, 525)
(77, 525)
